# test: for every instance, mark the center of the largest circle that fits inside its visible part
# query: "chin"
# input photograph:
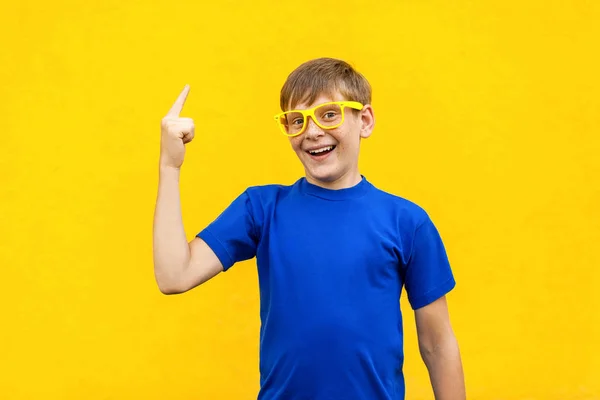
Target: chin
(326, 173)
(323, 176)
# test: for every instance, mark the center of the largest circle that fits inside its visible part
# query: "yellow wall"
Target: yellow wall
(487, 116)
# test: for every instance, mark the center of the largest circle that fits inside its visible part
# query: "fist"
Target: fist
(176, 132)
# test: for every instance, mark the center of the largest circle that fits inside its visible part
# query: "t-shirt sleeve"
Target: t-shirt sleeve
(233, 235)
(428, 274)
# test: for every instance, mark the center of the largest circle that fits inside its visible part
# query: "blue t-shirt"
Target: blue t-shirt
(331, 265)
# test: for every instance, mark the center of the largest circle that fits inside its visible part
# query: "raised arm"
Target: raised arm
(179, 265)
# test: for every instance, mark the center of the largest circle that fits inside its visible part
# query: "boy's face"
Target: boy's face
(336, 168)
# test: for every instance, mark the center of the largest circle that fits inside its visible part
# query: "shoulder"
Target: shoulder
(401, 209)
(268, 192)
(263, 198)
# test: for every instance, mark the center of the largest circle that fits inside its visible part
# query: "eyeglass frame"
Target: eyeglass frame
(310, 112)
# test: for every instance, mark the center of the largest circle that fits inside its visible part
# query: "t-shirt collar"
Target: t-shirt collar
(352, 192)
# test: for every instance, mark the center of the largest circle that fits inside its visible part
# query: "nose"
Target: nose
(312, 130)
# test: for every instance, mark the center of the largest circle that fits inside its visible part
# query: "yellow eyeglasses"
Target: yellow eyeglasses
(326, 116)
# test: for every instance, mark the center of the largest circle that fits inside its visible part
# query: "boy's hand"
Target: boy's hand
(175, 133)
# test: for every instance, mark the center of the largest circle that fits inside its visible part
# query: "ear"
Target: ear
(367, 120)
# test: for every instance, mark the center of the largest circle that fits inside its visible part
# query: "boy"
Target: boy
(332, 250)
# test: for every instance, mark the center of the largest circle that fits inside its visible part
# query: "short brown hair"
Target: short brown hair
(324, 76)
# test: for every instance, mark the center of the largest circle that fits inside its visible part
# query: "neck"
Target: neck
(349, 179)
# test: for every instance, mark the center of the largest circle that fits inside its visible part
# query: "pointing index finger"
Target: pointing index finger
(178, 105)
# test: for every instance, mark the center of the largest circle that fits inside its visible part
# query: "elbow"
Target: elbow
(175, 285)
(169, 286)
(169, 289)
(428, 350)
(440, 348)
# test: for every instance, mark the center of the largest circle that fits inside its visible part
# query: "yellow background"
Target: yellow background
(487, 116)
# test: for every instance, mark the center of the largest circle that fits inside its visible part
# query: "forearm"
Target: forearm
(171, 249)
(445, 370)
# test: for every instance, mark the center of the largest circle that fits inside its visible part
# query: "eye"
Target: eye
(330, 115)
(298, 121)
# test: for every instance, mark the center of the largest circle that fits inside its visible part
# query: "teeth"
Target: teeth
(321, 150)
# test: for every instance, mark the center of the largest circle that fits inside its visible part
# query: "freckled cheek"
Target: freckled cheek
(295, 145)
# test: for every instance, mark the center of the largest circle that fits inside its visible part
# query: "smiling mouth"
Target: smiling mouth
(321, 151)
